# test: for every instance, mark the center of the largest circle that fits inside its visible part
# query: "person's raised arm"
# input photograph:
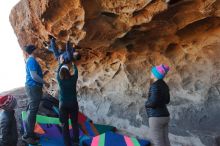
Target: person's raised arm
(75, 70)
(58, 71)
(53, 47)
(69, 51)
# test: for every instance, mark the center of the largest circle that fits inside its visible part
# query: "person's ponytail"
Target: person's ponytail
(64, 72)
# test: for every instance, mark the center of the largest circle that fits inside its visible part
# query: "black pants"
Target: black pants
(34, 94)
(65, 113)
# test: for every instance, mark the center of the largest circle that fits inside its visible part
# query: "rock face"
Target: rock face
(120, 41)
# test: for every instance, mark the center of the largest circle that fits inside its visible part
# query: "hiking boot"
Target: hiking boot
(29, 140)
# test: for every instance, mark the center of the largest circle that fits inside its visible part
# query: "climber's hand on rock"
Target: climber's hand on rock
(51, 37)
(76, 56)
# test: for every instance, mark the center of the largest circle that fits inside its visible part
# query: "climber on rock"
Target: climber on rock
(156, 108)
(69, 55)
(8, 127)
(68, 104)
(33, 86)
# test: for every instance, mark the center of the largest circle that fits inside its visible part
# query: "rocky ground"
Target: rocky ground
(120, 41)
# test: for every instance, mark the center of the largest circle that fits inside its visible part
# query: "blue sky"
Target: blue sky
(12, 72)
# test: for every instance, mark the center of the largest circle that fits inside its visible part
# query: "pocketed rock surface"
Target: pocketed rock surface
(119, 42)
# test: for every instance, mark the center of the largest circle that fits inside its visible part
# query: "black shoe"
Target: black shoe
(29, 140)
(36, 137)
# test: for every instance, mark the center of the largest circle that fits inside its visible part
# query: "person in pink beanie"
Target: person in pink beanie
(8, 127)
(156, 106)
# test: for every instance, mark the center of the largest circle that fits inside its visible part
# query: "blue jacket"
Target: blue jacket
(158, 98)
(8, 128)
(67, 55)
(67, 89)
